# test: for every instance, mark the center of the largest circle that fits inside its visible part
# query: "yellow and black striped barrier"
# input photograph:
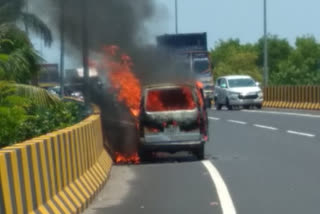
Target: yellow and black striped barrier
(295, 97)
(60, 172)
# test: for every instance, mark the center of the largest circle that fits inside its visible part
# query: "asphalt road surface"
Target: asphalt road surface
(257, 162)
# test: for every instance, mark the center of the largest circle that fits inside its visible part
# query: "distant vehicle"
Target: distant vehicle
(192, 50)
(237, 91)
(68, 92)
(173, 118)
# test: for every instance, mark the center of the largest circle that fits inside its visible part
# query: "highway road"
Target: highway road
(256, 162)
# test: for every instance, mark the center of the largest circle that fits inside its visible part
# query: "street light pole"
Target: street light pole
(27, 10)
(62, 49)
(85, 51)
(265, 61)
(176, 14)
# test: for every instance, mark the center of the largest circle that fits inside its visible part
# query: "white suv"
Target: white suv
(237, 90)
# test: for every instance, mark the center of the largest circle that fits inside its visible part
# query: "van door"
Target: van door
(223, 91)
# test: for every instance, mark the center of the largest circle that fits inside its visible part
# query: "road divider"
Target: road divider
(60, 172)
(294, 97)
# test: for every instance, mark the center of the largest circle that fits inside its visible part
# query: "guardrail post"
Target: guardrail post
(291, 100)
(318, 97)
(313, 106)
(300, 97)
(305, 97)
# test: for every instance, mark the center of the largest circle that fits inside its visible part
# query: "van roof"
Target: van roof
(236, 77)
(167, 85)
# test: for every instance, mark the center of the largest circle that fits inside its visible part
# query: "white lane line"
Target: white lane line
(222, 190)
(283, 113)
(266, 127)
(237, 122)
(214, 118)
(301, 133)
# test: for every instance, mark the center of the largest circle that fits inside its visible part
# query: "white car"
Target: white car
(237, 91)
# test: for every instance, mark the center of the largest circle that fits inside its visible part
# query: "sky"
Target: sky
(225, 19)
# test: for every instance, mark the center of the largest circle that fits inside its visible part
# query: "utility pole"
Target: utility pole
(85, 51)
(62, 47)
(176, 14)
(265, 61)
(27, 11)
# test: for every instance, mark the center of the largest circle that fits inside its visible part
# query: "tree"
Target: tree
(12, 11)
(279, 51)
(303, 64)
(18, 60)
(27, 111)
(230, 57)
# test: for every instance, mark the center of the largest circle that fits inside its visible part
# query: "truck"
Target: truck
(192, 50)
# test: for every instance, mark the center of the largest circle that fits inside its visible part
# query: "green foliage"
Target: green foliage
(18, 60)
(23, 118)
(279, 50)
(43, 120)
(39, 95)
(12, 113)
(288, 65)
(12, 11)
(231, 57)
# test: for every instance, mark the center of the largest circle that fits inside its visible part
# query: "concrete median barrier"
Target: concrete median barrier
(60, 172)
(294, 97)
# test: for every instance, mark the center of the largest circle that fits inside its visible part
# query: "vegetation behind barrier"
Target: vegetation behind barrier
(22, 117)
(59, 172)
(289, 64)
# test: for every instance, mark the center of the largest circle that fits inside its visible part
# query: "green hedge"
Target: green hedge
(22, 119)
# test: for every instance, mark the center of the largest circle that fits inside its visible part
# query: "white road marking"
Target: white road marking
(284, 113)
(301, 133)
(266, 127)
(222, 190)
(214, 118)
(237, 122)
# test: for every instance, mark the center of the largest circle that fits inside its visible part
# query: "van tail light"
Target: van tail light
(174, 123)
(151, 130)
(164, 124)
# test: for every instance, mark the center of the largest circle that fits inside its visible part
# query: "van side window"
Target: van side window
(219, 82)
(223, 81)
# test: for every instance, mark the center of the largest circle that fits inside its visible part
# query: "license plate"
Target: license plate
(172, 130)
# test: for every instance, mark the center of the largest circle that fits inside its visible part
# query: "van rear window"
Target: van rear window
(170, 99)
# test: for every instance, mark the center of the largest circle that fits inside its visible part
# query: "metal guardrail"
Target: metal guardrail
(295, 97)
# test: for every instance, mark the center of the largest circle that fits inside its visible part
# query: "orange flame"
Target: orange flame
(168, 100)
(123, 159)
(199, 87)
(122, 78)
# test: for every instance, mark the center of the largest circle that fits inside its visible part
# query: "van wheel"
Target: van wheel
(199, 152)
(230, 107)
(208, 103)
(259, 106)
(218, 106)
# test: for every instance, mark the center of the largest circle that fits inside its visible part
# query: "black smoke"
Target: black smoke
(122, 23)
